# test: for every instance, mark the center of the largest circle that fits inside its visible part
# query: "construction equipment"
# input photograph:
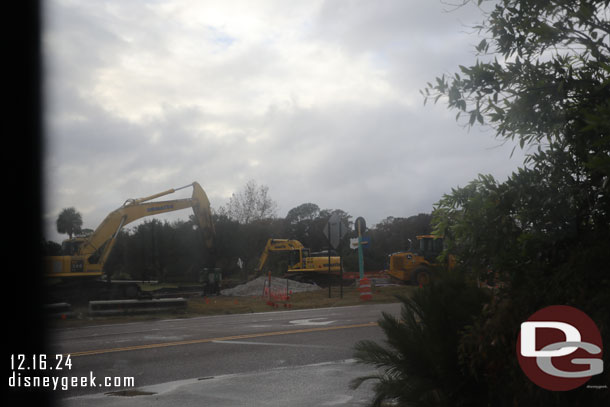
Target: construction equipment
(302, 264)
(415, 265)
(84, 257)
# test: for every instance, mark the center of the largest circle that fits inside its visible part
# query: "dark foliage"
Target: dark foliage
(545, 231)
(420, 362)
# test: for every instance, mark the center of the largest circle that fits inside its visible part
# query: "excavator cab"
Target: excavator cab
(297, 257)
(71, 247)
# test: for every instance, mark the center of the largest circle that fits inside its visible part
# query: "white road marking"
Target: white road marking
(293, 345)
(310, 321)
(339, 401)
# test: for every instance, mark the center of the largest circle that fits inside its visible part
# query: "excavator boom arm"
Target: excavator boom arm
(274, 245)
(117, 219)
(102, 240)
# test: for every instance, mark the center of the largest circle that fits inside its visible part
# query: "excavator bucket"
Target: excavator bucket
(203, 214)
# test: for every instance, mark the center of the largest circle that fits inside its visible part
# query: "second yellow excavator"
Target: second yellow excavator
(302, 265)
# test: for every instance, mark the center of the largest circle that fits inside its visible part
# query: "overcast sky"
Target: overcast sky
(318, 100)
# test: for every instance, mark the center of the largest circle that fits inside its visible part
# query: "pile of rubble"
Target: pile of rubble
(256, 287)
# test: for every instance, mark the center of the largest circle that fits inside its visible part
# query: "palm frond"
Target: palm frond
(418, 363)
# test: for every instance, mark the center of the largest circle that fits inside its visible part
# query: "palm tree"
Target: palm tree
(420, 365)
(69, 221)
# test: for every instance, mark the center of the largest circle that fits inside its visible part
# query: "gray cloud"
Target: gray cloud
(317, 100)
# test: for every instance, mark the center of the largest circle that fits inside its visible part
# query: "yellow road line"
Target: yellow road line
(224, 338)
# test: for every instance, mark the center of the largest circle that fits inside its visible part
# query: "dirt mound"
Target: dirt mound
(256, 287)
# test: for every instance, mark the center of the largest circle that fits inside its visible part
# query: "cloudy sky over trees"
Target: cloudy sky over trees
(318, 100)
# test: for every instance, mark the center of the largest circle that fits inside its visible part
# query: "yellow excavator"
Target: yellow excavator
(302, 264)
(84, 257)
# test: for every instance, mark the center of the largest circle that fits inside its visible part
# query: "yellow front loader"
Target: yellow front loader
(415, 266)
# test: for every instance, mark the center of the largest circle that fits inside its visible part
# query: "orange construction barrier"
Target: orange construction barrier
(364, 286)
(275, 296)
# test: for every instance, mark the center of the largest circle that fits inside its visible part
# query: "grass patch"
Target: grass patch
(305, 300)
(224, 305)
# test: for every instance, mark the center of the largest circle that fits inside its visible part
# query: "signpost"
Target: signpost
(334, 232)
(364, 284)
(353, 243)
(360, 228)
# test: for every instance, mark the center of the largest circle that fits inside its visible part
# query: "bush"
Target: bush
(420, 364)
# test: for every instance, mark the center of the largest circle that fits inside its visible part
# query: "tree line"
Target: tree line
(173, 251)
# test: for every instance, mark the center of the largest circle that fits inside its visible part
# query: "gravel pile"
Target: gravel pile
(256, 286)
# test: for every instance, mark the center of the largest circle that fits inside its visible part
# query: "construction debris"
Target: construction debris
(258, 285)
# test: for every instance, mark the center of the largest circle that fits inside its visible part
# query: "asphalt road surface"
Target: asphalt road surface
(296, 357)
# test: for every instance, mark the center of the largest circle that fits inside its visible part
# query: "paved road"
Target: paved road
(284, 357)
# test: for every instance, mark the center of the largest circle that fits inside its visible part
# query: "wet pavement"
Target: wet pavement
(321, 384)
